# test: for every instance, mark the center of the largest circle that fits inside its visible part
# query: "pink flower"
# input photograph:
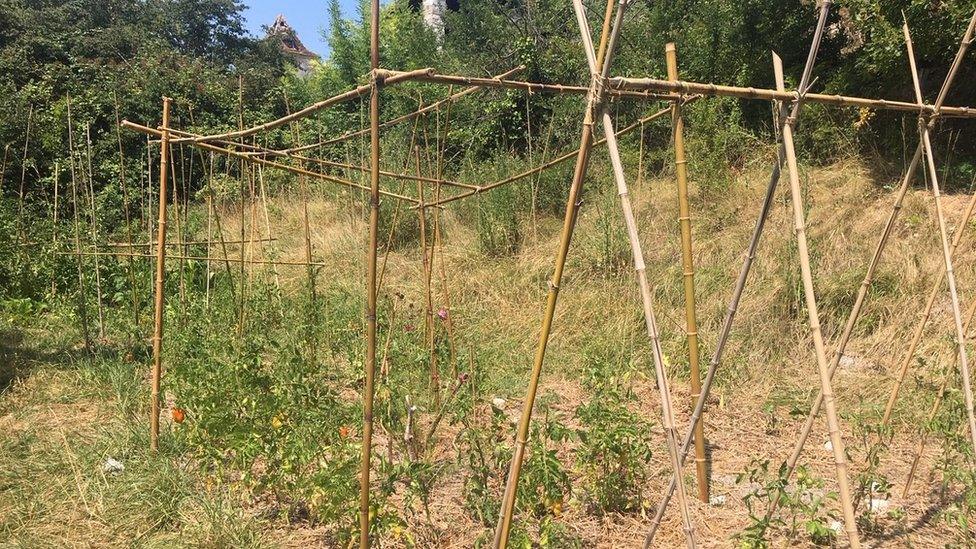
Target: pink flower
(442, 313)
(408, 327)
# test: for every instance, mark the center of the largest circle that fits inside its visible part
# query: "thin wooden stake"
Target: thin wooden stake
(157, 368)
(23, 175)
(82, 300)
(93, 230)
(128, 217)
(688, 275)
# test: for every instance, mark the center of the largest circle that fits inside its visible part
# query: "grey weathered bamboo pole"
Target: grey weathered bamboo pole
(594, 98)
(750, 256)
(371, 256)
(640, 269)
(157, 367)
(869, 276)
(54, 223)
(82, 301)
(833, 423)
(688, 275)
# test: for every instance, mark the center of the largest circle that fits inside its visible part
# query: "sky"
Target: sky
(308, 17)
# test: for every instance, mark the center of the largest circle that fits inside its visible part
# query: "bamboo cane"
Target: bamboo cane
(869, 276)
(23, 175)
(833, 424)
(128, 217)
(54, 224)
(93, 230)
(316, 175)
(388, 77)
(267, 221)
(667, 408)
(924, 317)
(934, 410)
(374, 217)
(82, 300)
(688, 275)
(197, 258)
(306, 231)
(951, 278)
(594, 98)
(556, 161)
(435, 381)
(179, 227)
(403, 118)
(747, 261)
(438, 244)
(716, 90)
(157, 368)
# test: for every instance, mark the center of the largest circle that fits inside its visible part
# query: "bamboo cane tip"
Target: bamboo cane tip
(669, 47)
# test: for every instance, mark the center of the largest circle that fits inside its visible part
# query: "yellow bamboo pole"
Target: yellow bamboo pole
(650, 321)
(82, 300)
(157, 367)
(594, 98)
(371, 261)
(688, 275)
(833, 423)
(875, 259)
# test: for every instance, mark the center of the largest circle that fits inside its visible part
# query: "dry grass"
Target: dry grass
(769, 366)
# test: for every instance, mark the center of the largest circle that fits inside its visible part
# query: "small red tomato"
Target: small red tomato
(179, 414)
(344, 432)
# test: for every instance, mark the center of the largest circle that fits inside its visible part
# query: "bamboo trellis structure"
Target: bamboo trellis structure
(603, 89)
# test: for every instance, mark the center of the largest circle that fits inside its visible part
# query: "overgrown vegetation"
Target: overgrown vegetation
(263, 380)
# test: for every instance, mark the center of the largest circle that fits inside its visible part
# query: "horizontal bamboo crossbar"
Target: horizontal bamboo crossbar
(403, 118)
(384, 76)
(430, 76)
(716, 90)
(559, 159)
(268, 163)
(198, 258)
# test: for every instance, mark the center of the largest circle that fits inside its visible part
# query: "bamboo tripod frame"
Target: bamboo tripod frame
(602, 88)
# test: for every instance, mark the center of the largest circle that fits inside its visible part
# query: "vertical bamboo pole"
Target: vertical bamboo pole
(667, 408)
(688, 274)
(54, 224)
(93, 230)
(924, 318)
(594, 98)
(128, 217)
(82, 301)
(435, 376)
(267, 223)
(833, 423)
(869, 276)
(157, 368)
(967, 390)
(23, 175)
(374, 217)
(747, 261)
